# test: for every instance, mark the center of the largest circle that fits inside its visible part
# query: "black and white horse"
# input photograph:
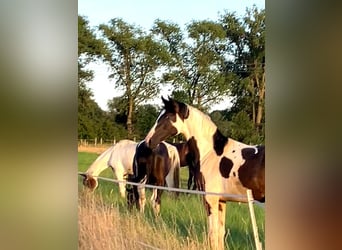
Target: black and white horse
(225, 165)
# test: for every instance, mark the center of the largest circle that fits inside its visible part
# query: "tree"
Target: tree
(134, 57)
(89, 115)
(196, 61)
(145, 117)
(91, 118)
(246, 40)
(89, 49)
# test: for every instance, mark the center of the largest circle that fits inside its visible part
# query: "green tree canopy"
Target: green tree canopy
(134, 58)
(197, 60)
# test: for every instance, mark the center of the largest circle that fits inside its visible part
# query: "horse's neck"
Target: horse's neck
(199, 126)
(100, 163)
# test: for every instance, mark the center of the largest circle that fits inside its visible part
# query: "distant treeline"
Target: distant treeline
(204, 63)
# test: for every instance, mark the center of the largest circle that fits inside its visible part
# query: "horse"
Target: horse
(119, 157)
(189, 158)
(226, 165)
(160, 166)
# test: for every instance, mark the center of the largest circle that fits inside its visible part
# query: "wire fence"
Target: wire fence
(242, 198)
(248, 198)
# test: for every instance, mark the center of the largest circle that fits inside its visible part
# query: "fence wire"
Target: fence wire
(180, 190)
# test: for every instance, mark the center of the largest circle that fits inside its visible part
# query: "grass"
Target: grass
(181, 225)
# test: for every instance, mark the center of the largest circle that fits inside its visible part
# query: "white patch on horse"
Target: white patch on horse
(119, 157)
(152, 130)
(256, 150)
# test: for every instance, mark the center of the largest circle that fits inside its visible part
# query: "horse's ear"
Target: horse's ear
(164, 100)
(169, 105)
(180, 108)
(84, 175)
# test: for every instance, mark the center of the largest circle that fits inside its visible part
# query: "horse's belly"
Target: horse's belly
(221, 176)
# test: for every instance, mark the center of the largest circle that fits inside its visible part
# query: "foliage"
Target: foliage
(246, 39)
(134, 58)
(207, 61)
(196, 61)
(89, 49)
(145, 116)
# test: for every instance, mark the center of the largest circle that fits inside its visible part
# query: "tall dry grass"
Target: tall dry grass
(104, 227)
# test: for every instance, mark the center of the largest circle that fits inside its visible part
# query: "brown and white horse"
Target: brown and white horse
(159, 166)
(119, 157)
(226, 166)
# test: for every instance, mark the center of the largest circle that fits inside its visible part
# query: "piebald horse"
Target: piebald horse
(119, 157)
(226, 166)
(159, 166)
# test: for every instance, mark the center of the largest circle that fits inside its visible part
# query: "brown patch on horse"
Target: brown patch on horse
(219, 141)
(161, 166)
(153, 163)
(207, 208)
(220, 205)
(89, 182)
(252, 172)
(226, 166)
(189, 156)
(194, 159)
(183, 152)
(142, 159)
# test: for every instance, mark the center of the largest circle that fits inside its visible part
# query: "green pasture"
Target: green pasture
(183, 215)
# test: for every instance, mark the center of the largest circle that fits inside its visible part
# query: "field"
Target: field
(105, 223)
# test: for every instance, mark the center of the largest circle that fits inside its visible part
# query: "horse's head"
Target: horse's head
(89, 181)
(170, 122)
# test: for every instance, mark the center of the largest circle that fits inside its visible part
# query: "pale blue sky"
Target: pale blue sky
(143, 13)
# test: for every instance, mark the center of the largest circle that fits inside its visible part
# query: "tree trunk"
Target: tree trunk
(129, 118)
(128, 84)
(252, 90)
(261, 100)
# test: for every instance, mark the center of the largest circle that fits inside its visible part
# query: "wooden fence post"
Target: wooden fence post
(258, 244)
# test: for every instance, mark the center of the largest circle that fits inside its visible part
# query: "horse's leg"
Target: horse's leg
(154, 195)
(190, 178)
(212, 205)
(119, 172)
(221, 223)
(157, 202)
(142, 199)
(135, 197)
(199, 180)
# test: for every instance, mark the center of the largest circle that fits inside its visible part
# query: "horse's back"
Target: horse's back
(123, 153)
(100, 162)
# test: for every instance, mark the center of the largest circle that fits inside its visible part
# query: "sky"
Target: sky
(143, 13)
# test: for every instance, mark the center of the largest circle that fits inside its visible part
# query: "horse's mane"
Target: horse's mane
(205, 118)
